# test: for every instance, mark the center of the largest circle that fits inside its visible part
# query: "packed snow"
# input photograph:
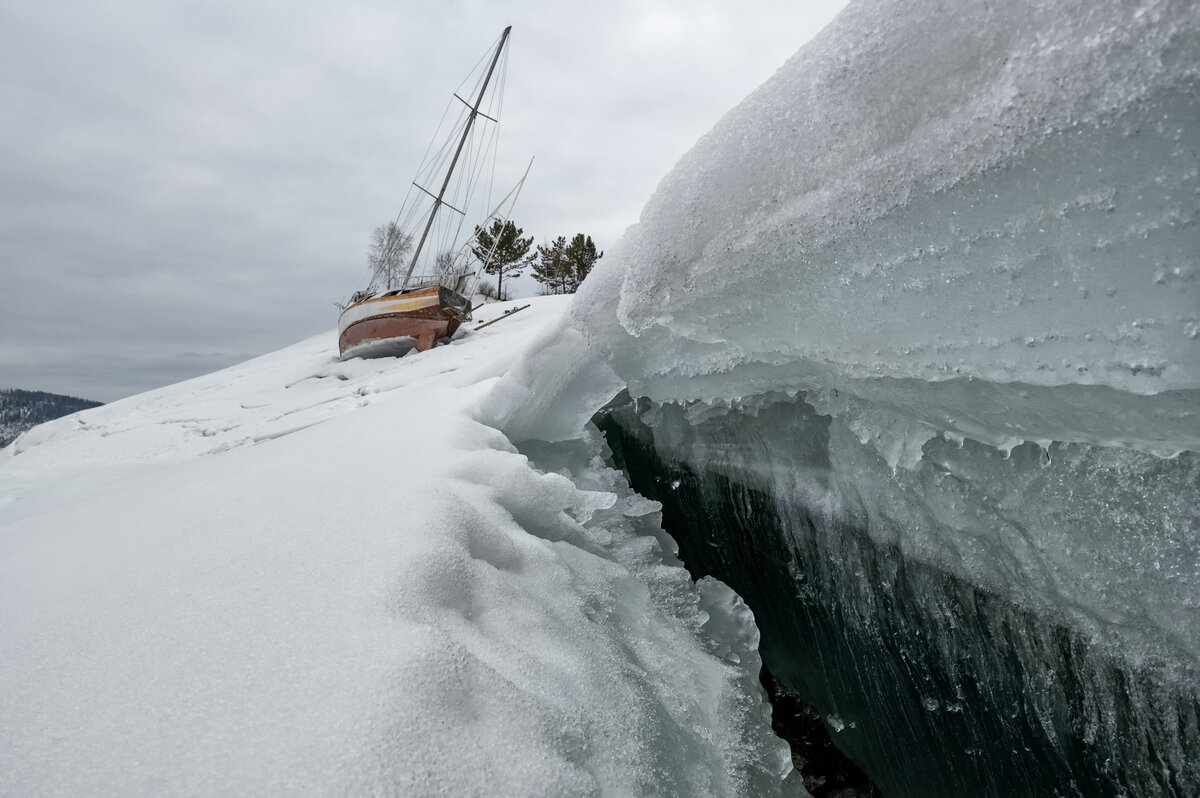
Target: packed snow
(301, 575)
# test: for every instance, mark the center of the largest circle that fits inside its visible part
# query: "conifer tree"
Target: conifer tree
(551, 267)
(582, 255)
(502, 251)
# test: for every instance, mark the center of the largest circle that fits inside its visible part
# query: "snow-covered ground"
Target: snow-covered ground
(299, 575)
(964, 236)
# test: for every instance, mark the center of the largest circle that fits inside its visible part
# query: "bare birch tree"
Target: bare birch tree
(385, 258)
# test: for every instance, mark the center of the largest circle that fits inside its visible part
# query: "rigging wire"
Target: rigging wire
(477, 162)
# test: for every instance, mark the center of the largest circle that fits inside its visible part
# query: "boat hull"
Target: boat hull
(391, 326)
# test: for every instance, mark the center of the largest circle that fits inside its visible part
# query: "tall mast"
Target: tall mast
(437, 203)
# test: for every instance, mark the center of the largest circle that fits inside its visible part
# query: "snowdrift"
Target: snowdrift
(299, 575)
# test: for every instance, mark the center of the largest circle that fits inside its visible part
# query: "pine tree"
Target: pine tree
(552, 267)
(582, 255)
(502, 251)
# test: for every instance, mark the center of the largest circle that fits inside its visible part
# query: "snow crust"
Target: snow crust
(300, 575)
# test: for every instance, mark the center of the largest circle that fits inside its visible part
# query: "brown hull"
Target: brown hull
(395, 334)
(396, 322)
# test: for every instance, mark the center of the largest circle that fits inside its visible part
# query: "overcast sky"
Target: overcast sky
(184, 185)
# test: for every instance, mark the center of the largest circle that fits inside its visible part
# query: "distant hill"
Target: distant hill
(22, 410)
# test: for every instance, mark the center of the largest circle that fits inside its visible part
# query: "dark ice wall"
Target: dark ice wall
(935, 686)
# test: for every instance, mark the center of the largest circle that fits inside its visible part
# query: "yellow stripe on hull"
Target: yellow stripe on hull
(404, 303)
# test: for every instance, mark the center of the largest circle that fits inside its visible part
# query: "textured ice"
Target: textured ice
(1022, 622)
(967, 236)
(306, 576)
(944, 224)
(988, 193)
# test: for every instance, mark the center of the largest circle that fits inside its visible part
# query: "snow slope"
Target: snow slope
(23, 410)
(299, 575)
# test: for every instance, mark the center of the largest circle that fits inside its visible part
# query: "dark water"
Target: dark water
(934, 686)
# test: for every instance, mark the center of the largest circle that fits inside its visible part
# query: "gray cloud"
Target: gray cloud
(185, 185)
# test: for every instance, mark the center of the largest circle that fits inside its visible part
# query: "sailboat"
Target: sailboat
(427, 306)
